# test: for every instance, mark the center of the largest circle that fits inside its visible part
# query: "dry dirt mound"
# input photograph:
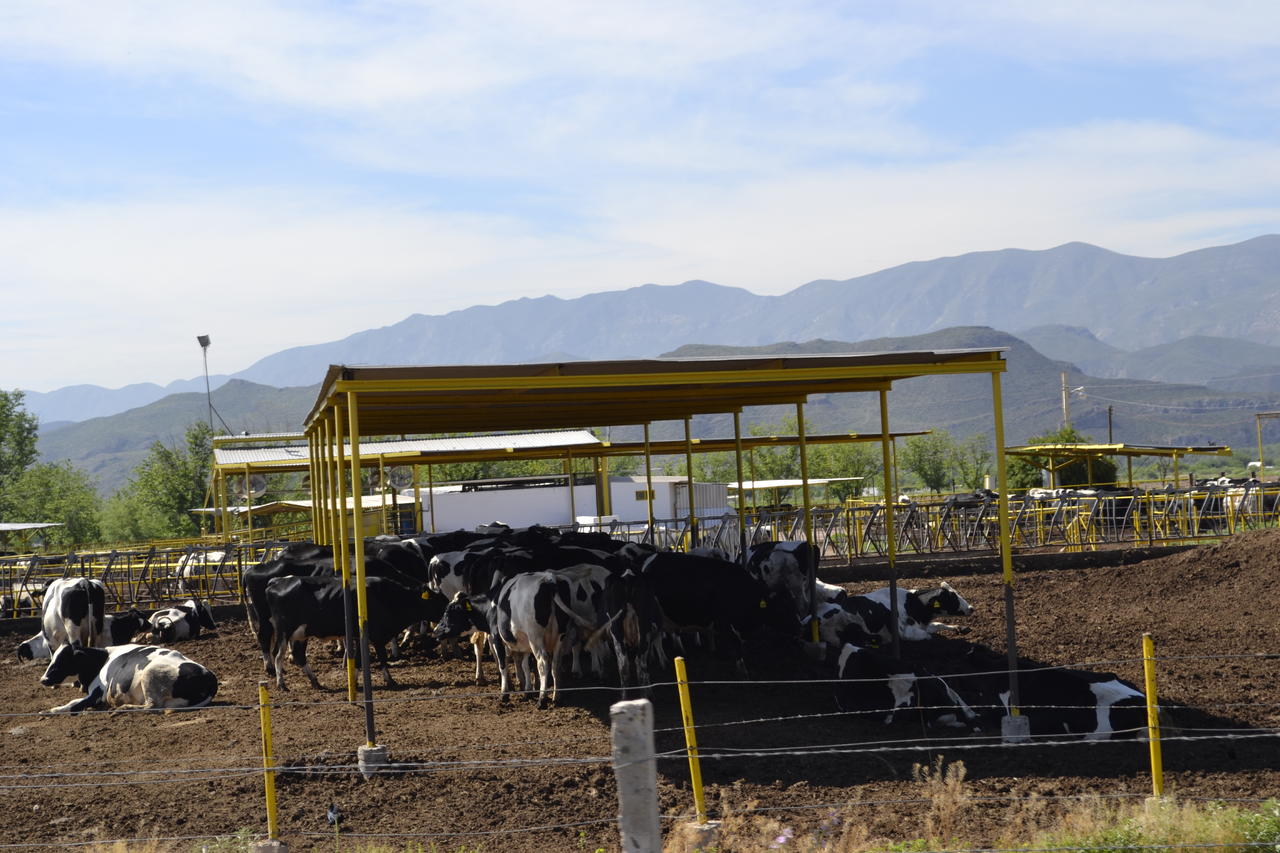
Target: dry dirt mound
(472, 765)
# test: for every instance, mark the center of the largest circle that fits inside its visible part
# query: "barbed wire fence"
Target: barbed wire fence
(603, 751)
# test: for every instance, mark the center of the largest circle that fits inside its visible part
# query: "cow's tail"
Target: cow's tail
(585, 624)
(595, 635)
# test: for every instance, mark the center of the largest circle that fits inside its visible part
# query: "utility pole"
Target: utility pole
(203, 340)
(1066, 405)
(1110, 438)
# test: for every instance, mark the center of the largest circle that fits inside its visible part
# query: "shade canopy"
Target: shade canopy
(477, 398)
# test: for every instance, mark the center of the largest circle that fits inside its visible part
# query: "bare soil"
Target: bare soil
(469, 770)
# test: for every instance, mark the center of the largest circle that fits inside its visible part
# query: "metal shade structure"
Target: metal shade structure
(1055, 457)
(355, 403)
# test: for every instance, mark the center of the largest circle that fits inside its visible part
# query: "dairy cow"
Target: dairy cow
(130, 676)
(301, 607)
(181, 622)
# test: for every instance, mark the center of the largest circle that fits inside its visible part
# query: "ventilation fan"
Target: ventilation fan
(400, 478)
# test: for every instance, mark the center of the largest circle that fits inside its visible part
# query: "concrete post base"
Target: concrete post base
(699, 837)
(1015, 729)
(370, 759)
(269, 846)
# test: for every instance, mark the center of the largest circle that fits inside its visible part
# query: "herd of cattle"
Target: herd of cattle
(537, 597)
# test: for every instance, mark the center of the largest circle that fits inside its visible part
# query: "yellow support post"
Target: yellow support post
(341, 546)
(811, 570)
(742, 492)
(688, 468)
(1006, 546)
(268, 761)
(648, 485)
(691, 741)
(357, 548)
(1153, 715)
(891, 545)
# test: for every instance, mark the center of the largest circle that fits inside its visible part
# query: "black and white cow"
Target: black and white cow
(919, 608)
(875, 683)
(119, 628)
(703, 593)
(302, 607)
(73, 612)
(784, 566)
(527, 619)
(130, 676)
(1097, 705)
(181, 622)
(634, 620)
(194, 567)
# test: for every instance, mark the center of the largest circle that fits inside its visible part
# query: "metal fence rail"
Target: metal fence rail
(1073, 520)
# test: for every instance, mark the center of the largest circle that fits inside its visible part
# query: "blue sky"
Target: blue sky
(282, 173)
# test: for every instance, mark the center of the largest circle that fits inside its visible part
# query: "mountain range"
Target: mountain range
(1194, 333)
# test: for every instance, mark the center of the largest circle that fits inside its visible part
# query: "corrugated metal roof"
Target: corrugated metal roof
(456, 444)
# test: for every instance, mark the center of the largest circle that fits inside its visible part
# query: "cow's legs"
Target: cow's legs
(276, 667)
(265, 631)
(546, 671)
(477, 646)
(500, 655)
(300, 656)
(382, 661)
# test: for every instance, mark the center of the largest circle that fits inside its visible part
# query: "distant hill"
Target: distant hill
(1111, 315)
(108, 448)
(1226, 364)
(1129, 302)
(1144, 412)
(81, 402)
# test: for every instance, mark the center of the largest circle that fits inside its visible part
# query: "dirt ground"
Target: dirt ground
(471, 771)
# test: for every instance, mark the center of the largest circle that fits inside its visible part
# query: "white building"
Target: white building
(520, 502)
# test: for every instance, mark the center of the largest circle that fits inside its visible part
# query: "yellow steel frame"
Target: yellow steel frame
(1059, 456)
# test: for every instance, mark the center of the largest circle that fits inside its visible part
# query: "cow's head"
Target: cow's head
(74, 660)
(460, 616)
(431, 604)
(163, 631)
(947, 600)
(204, 613)
(124, 626)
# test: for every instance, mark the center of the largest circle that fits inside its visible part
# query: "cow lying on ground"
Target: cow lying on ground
(876, 684)
(181, 622)
(918, 608)
(130, 676)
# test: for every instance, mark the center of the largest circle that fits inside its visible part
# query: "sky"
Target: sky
(276, 174)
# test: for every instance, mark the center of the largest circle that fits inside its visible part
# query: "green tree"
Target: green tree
(973, 460)
(930, 458)
(157, 501)
(18, 431)
(859, 459)
(57, 492)
(1026, 473)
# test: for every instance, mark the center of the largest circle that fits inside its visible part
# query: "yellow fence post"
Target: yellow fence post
(1153, 715)
(690, 740)
(268, 761)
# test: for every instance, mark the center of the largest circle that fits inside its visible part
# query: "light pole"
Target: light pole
(204, 351)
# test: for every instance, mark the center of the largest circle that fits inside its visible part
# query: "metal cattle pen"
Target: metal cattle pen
(356, 403)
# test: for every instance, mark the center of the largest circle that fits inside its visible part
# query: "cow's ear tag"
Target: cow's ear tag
(467, 605)
(937, 605)
(426, 595)
(763, 604)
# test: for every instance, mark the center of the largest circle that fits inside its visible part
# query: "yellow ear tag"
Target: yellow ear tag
(937, 605)
(467, 604)
(426, 595)
(763, 604)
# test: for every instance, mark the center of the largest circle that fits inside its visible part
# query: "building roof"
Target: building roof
(296, 457)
